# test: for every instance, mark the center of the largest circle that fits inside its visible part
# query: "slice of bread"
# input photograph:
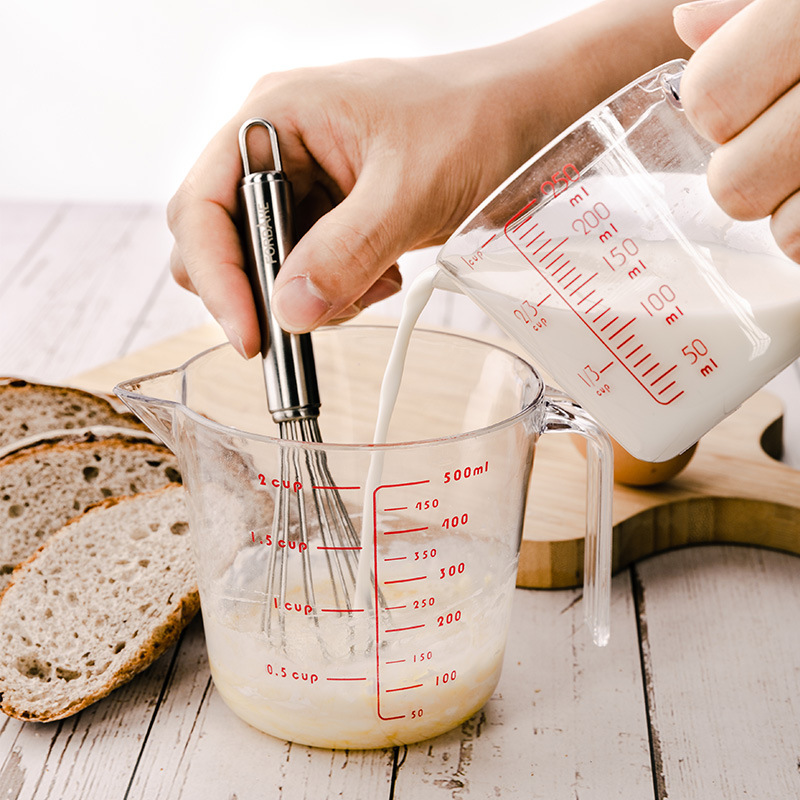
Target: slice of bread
(99, 602)
(28, 408)
(45, 485)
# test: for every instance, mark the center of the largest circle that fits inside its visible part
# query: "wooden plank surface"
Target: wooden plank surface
(695, 698)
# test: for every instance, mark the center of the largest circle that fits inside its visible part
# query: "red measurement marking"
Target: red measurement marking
(664, 375)
(487, 242)
(548, 254)
(616, 333)
(542, 300)
(543, 244)
(336, 488)
(667, 387)
(593, 306)
(520, 213)
(341, 610)
(395, 608)
(405, 580)
(658, 363)
(396, 558)
(567, 284)
(377, 589)
(405, 688)
(407, 530)
(396, 508)
(397, 661)
(331, 547)
(345, 679)
(635, 350)
(529, 230)
(407, 628)
(609, 324)
(610, 364)
(578, 288)
(622, 344)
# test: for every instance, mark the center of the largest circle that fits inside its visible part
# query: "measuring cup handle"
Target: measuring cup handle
(563, 415)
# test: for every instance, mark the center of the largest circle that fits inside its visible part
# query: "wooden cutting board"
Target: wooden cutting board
(731, 492)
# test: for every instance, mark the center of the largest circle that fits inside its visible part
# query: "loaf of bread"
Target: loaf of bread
(44, 485)
(29, 408)
(100, 601)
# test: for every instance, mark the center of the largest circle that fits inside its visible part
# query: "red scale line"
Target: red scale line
(577, 289)
(621, 329)
(609, 324)
(549, 253)
(407, 530)
(543, 244)
(635, 350)
(404, 688)
(576, 278)
(658, 363)
(664, 374)
(669, 385)
(622, 344)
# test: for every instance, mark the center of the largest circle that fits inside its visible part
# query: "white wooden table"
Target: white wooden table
(697, 696)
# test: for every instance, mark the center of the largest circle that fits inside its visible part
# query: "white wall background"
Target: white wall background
(106, 100)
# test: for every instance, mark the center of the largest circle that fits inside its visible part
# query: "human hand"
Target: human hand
(741, 89)
(384, 156)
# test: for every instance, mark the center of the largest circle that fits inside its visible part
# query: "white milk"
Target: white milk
(658, 357)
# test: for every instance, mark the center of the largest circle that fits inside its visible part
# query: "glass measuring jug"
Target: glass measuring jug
(606, 257)
(307, 657)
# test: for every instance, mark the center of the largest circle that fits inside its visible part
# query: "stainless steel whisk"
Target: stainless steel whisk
(306, 485)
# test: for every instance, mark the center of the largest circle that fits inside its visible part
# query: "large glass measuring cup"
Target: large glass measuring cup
(606, 257)
(294, 648)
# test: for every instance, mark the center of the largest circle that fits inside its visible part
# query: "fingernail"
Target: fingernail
(234, 337)
(299, 305)
(380, 290)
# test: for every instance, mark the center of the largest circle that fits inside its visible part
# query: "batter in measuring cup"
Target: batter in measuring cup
(315, 680)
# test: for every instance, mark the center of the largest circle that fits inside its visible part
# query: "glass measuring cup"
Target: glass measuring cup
(606, 257)
(308, 657)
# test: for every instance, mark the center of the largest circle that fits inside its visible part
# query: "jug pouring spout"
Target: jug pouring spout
(155, 399)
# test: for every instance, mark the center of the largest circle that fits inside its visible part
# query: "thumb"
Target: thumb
(695, 22)
(344, 255)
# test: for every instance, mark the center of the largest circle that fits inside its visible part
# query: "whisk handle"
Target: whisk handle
(267, 238)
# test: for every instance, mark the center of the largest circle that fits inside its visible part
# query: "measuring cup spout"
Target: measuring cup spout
(155, 400)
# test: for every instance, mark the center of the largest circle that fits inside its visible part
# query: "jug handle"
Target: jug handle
(563, 415)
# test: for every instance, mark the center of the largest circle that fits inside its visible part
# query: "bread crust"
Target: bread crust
(163, 636)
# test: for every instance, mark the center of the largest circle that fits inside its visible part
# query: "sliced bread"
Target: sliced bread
(45, 485)
(99, 602)
(28, 408)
